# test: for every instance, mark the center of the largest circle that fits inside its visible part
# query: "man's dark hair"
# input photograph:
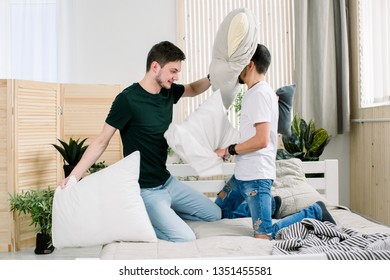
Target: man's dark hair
(262, 59)
(163, 53)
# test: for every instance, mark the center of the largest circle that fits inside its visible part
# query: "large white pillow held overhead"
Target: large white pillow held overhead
(234, 45)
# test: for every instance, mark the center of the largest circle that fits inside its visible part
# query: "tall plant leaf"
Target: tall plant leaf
(292, 143)
(309, 134)
(295, 125)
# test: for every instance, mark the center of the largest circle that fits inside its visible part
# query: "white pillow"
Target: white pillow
(234, 45)
(197, 138)
(292, 186)
(238, 29)
(103, 207)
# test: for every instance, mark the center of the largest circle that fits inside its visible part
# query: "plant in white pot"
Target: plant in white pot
(38, 204)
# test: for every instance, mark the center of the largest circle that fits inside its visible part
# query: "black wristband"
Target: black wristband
(232, 149)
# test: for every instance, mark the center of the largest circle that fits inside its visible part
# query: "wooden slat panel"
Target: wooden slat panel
(85, 108)
(369, 157)
(36, 161)
(6, 221)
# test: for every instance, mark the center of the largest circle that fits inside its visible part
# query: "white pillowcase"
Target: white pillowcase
(197, 138)
(292, 186)
(238, 29)
(234, 45)
(103, 207)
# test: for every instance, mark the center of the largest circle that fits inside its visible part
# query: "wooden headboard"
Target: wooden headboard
(326, 180)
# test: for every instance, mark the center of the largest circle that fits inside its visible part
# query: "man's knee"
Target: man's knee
(217, 215)
(184, 237)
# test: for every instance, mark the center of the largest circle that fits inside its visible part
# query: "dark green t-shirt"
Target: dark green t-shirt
(142, 119)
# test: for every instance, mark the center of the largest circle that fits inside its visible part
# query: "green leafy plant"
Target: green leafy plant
(38, 204)
(306, 142)
(71, 151)
(97, 166)
(173, 157)
(170, 151)
(238, 101)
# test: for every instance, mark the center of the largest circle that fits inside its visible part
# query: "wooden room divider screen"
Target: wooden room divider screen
(32, 116)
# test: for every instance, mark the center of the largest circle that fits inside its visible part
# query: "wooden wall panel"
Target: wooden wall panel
(369, 144)
(6, 221)
(85, 108)
(370, 165)
(36, 124)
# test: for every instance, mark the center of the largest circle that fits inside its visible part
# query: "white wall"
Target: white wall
(338, 148)
(107, 41)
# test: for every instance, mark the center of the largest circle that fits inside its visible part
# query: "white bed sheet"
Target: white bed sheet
(230, 239)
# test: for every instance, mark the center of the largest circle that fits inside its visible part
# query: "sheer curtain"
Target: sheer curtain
(322, 64)
(28, 36)
(5, 46)
(374, 29)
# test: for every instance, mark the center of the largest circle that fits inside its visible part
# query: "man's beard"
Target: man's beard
(161, 83)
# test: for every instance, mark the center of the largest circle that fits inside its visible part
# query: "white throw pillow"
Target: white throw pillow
(234, 45)
(292, 186)
(197, 138)
(103, 207)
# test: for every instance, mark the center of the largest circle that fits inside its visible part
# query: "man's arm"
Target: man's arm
(259, 141)
(92, 153)
(197, 87)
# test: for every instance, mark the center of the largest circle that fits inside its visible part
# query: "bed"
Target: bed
(299, 184)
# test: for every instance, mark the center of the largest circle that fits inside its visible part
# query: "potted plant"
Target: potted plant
(306, 142)
(38, 204)
(97, 167)
(71, 153)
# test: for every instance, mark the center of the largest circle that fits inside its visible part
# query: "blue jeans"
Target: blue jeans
(257, 194)
(167, 205)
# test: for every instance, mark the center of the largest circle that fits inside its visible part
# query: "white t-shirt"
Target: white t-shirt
(259, 104)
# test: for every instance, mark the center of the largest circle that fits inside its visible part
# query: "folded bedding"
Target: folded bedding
(311, 236)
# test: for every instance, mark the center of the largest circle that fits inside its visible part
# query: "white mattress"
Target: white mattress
(226, 239)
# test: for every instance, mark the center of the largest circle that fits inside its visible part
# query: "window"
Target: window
(29, 41)
(374, 52)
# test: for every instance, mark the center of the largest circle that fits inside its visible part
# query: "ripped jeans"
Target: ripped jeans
(260, 203)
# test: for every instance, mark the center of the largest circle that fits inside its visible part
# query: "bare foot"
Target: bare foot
(262, 236)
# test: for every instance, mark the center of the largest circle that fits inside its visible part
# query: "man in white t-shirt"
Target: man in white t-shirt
(256, 154)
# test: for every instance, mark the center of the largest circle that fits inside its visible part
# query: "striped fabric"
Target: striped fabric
(315, 237)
